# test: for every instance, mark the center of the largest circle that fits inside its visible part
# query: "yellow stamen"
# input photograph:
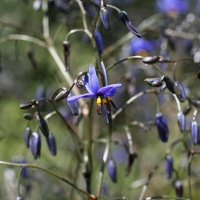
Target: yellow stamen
(98, 101)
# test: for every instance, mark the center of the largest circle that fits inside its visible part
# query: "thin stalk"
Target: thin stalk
(47, 171)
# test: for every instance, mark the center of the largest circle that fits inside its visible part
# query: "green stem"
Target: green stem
(47, 171)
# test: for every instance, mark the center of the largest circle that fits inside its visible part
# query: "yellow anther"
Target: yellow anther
(98, 101)
(105, 100)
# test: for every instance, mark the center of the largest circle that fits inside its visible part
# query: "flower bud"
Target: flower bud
(178, 188)
(99, 41)
(131, 158)
(179, 91)
(112, 170)
(162, 127)
(154, 82)
(28, 116)
(168, 166)
(51, 143)
(64, 93)
(43, 126)
(27, 135)
(194, 131)
(35, 144)
(66, 52)
(169, 83)
(150, 60)
(181, 121)
(105, 18)
(124, 18)
(26, 105)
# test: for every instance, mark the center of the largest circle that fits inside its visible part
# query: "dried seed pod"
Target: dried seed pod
(112, 170)
(27, 135)
(179, 91)
(154, 82)
(124, 18)
(178, 188)
(194, 128)
(162, 127)
(105, 18)
(99, 41)
(43, 126)
(35, 144)
(168, 166)
(51, 143)
(181, 121)
(66, 52)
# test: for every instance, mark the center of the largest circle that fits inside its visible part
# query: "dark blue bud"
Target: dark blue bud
(62, 94)
(73, 106)
(35, 144)
(112, 170)
(124, 18)
(99, 41)
(26, 105)
(168, 166)
(163, 87)
(27, 134)
(181, 121)
(66, 52)
(105, 18)
(195, 132)
(178, 188)
(169, 83)
(43, 126)
(154, 82)
(51, 143)
(162, 127)
(179, 91)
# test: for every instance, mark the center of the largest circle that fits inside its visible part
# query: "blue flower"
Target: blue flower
(103, 94)
(175, 6)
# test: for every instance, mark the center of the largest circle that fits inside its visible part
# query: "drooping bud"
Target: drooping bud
(51, 143)
(105, 18)
(27, 135)
(62, 94)
(66, 52)
(163, 87)
(99, 41)
(27, 105)
(35, 144)
(43, 126)
(194, 131)
(169, 83)
(154, 82)
(73, 106)
(112, 170)
(168, 166)
(178, 188)
(162, 127)
(179, 91)
(181, 121)
(124, 18)
(131, 158)
(28, 116)
(150, 60)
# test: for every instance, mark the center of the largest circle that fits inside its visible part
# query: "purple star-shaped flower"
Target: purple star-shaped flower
(102, 94)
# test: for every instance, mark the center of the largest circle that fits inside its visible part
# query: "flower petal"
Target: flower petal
(75, 98)
(108, 90)
(93, 83)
